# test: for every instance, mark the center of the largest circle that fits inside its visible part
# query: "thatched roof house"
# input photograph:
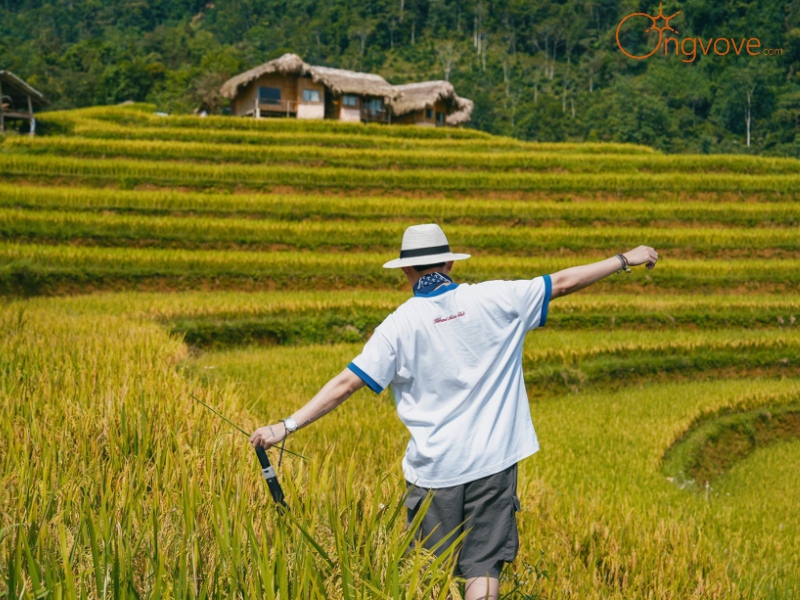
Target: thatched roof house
(288, 86)
(430, 103)
(17, 99)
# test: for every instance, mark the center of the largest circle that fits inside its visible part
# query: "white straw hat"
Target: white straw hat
(424, 245)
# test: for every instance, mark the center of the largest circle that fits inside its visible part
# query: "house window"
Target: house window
(350, 100)
(269, 95)
(428, 113)
(310, 95)
(439, 118)
(374, 105)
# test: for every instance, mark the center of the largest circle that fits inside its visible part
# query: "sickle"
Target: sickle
(266, 468)
(272, 478)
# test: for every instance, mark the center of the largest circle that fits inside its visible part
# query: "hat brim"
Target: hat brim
(430, 259)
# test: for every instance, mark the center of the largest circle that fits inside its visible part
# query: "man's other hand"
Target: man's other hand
(643, 255)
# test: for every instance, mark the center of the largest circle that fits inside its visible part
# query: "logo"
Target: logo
(688, 46)
(438, 320)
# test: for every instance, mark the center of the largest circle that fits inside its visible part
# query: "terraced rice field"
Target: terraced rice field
(146, 259)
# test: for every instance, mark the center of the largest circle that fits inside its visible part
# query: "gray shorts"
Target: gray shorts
(487, 507)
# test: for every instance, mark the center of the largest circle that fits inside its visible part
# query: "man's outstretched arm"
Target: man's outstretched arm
(576, 278)
(332, 394)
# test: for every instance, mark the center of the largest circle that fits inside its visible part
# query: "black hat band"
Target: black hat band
(424, 251)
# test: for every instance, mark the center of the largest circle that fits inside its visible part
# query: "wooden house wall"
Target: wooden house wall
(306, 83)
(440, 106)
(310, 110)
(332, 104)
(417, 117)
(245, 101)
(408, 118)
(291, 87)
(351, 114)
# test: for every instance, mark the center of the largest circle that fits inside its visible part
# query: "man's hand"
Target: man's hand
(573, 279)
(643, 255)
(268, 435)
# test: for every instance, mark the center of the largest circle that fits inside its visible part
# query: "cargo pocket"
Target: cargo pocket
(413, 502)
(512, 545)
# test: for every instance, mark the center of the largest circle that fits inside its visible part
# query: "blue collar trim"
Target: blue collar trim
(434, 284)
(442, 290)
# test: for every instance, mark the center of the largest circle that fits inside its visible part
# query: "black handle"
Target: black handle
(272, 478)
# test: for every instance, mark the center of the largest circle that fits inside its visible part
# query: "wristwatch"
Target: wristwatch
(290, 424)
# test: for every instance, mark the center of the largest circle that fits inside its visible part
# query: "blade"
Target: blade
(227, 420)
(223, 417)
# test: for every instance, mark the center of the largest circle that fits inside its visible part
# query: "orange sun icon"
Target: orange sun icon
(653, 27)
(660, 15)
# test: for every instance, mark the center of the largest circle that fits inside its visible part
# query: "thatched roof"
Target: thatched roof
(340, 81)
(416, 96)
(463, 114)
(14, 86)
(285, 65)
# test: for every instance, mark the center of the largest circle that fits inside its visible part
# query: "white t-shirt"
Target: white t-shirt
(454, 360)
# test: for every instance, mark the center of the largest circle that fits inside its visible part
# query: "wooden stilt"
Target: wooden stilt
(30, 114)
(2, 118)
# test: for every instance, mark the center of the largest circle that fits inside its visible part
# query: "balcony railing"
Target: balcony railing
(372, 116)
(274, 107)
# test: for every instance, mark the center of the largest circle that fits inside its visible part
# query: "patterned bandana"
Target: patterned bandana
(428, 283)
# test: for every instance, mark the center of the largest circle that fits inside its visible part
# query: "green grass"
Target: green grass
(129, 173)
(34, 269)
(716, 443)
(138, 115)
(652, 210)
(416, 158)
(88, 128)
(773, 471)
(558, 361)
(211, 233)
(138, 121)
(605, 492)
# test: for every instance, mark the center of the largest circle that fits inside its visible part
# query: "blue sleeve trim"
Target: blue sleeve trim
(365, 378)
(548, 291)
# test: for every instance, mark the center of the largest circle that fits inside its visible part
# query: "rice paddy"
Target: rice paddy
(146, 259)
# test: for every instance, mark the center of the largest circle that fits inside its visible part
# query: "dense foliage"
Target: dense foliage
(536, 69)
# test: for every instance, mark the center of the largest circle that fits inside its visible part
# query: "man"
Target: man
(453, 354)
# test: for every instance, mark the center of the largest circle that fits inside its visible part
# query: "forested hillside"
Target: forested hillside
(537, 70)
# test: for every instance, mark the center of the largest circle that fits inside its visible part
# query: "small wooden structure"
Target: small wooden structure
(17, 100)
(430, 103)
(289, 87)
